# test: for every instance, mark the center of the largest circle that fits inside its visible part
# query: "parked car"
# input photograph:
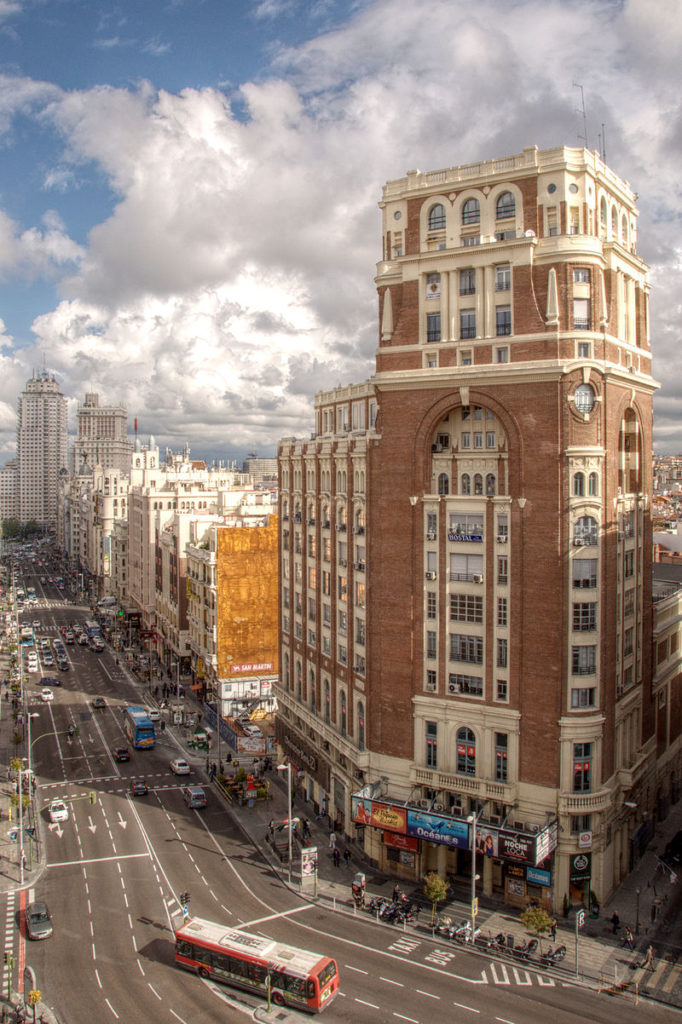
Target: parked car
(180, 767)
(154, 714)
(48, 681)
(46, 694)
(98, 703)
(121, 754)
(63, 664)
(138, 787)
(58, 811)
(38, 921)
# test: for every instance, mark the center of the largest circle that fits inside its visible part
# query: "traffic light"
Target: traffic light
(92, 796)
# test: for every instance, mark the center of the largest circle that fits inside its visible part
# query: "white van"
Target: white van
(195, 796)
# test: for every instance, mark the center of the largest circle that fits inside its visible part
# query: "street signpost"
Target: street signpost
(579, 922)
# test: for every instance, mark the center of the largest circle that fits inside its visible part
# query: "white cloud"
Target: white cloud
(233, 277)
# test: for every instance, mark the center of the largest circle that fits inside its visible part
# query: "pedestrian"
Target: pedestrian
(552, 930)
(163, 725)
(271, 828)
(337, 857)
(615, 921)
(156, 691)
(397, 892)
(332, 840)
(648, 961)
(346, 856)
(628, 939)
(229, 757)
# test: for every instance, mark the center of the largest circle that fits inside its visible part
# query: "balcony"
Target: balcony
(585, 803)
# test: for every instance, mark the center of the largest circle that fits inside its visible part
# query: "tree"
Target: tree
(536, 920)
(11, 528)
(435, 890)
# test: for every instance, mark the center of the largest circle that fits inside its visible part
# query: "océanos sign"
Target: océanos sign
(436, 829)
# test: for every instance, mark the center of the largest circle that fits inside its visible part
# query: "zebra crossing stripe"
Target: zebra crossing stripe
(527, 980)
(504, 980)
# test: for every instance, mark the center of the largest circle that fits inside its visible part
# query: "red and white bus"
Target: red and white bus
(297, 977)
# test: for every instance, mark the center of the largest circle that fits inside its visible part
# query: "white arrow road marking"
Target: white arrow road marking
(54, 827)
(93, 828)
(122, 822)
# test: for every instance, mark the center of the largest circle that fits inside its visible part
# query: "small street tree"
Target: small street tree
(435, 890)
(536, 920)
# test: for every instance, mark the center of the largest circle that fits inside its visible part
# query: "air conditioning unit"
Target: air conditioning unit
(453, 687)
(533, 828)
(358, 529)
(423, 804)
(438, 808)
(341, 527)
(326, 524)
(477, 578)
(343, 563)
(310, 522)
(502, 538)
(577, 542)
(495, 819)
(430, 575)
(431, 535)
(455, 808)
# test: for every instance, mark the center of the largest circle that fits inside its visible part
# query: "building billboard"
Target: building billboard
(437, 828)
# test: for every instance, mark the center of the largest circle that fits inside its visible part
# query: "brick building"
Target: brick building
(466, 550)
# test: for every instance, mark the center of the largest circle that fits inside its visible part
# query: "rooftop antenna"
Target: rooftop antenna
(576, 85)
(603, 136)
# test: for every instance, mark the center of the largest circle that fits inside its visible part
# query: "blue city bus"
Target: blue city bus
(139, 728)
(92, 628)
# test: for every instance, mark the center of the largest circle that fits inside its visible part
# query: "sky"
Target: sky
(188, 189)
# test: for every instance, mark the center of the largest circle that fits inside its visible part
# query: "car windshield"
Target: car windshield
(39, 915)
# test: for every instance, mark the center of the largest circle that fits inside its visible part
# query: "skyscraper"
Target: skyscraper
(41, 449)
(101, 437)
(466, 540)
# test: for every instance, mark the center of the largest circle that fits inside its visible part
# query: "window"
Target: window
(502, 526)
(502, 611)
(506, 206)
(582, 767)
(471, 686)
(466, 357)
(467, 240)
(437, 217)
(471, 212)
(584, 350)
(433, 326)
(502, 651)
(490, 439)
(466, 608)
(502, 354)
(490, 484)
(501, 689)
(629, 564)
(344, 713)
(360, 632)
(503, 320)
(466, 526)
(467, 281)
(502, 569)
(466, 752)
(431, 744)
(431, 604)
(581, 314)
(501, 744)
(582, 697)
(466, 483)
(431, 645)
(327, 703)
(431, 680)
(585, 532)
(628, 641)
(503, 278)
(581, 823)
(361, 725)
(466, 648)
(593, 486)
(478, 479)
(581, 275)
(584, 660)
(465, 439)
(467, 323)
(443, 483)
(585, 572)
(585, 617)
(578, 485)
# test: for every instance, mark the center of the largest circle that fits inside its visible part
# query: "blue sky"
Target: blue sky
(188, 190)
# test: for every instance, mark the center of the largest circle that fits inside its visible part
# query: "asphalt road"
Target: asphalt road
(115, 869)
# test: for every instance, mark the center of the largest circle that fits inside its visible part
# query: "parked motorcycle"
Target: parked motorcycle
(525, 949)
(552, 956)
(463, 933)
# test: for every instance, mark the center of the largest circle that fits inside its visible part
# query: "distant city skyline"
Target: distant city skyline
(188, 194)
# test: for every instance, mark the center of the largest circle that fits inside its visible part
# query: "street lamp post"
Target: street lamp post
(472, 820)
(287, 768)
(638, 892)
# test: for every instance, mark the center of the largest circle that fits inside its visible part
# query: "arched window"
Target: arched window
(311, 684)
(466, 752)
(443, 484)
(287, 677)
(471, 212)
(299, 681)
(585, 531)
(506, 206)
(593, 487)
(490, 483)
(437, 217)
(478, 483)
(614, 223)
(361, 725)
(327, 703)
(466, 483)
(325, 515)
(603, 212)
(579, 485)
(343, 724)
(624, 230)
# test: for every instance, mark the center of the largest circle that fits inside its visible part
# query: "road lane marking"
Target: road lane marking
(283, 913)
(95, 860)
(97, 976)
(429, 994)
(111, 1008)
(390, 981)
(373, 1006)
(463, 1006)
(411, 1019)
(358, 970)
(177, 1017)
(94, 954)
(155, 992)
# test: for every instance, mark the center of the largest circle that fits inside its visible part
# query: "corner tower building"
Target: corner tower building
(466, 564)
(41, 449)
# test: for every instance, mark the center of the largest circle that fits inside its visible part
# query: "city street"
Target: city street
(114, 869)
